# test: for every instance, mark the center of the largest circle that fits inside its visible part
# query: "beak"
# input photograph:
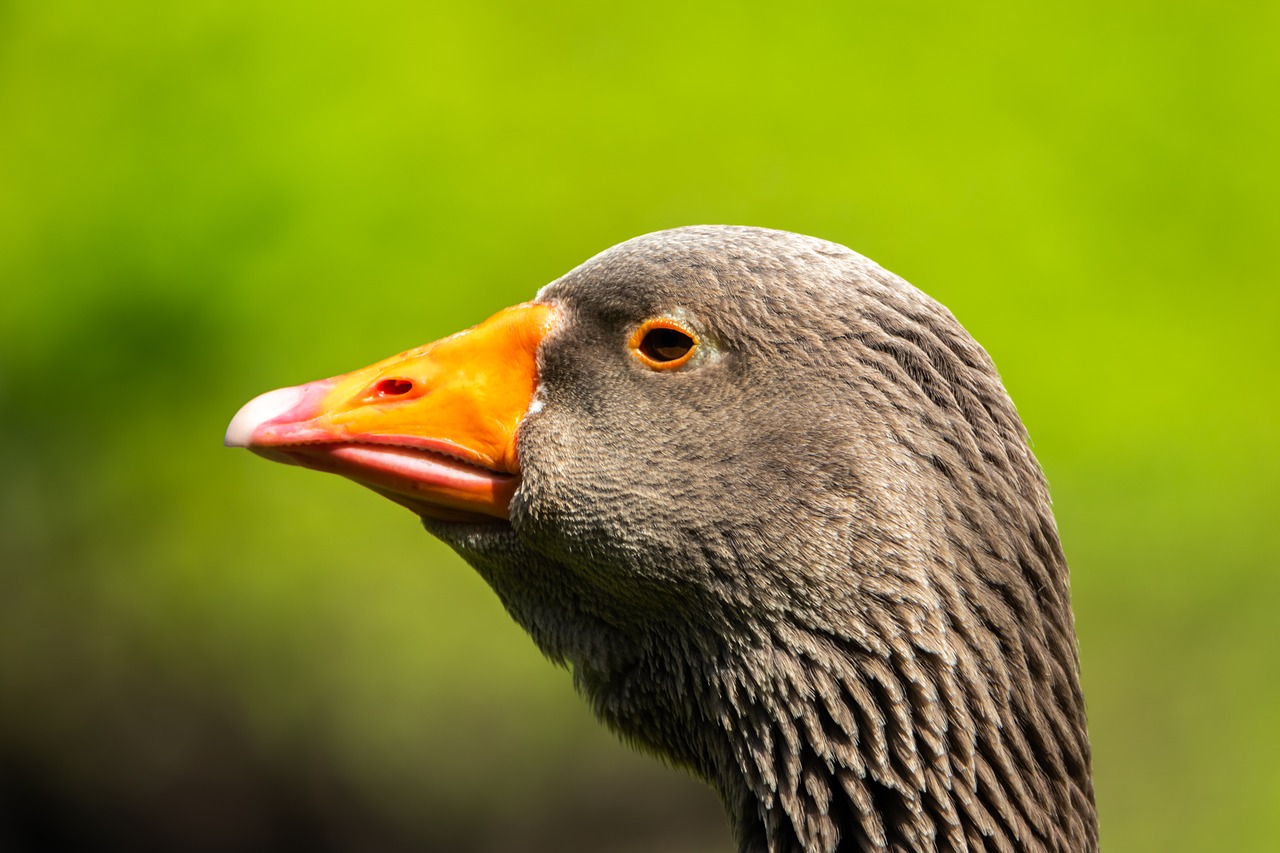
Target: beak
(433, 429)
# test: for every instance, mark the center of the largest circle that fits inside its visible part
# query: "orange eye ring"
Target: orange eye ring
(663, 344)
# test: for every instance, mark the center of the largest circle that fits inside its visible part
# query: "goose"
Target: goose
(775, 510)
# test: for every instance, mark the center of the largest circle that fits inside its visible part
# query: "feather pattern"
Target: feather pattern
(818, 567)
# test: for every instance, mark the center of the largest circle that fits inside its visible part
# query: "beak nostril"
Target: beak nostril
(393, 387)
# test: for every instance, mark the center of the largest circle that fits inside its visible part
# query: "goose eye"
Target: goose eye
(663, 344)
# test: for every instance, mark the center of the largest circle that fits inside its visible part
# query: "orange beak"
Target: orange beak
(433, 429)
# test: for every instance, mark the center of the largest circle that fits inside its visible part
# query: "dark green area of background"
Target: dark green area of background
(203, 200)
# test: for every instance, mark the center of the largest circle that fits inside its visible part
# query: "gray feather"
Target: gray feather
(817, 566)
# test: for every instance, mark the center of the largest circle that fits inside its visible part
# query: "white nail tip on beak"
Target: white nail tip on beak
(258, 411)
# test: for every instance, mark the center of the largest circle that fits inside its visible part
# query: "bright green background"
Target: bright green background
(202, 200)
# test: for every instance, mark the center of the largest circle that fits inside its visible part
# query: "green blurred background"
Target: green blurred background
(203, 200)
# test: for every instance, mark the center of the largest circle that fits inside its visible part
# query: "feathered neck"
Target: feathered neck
(820, 741)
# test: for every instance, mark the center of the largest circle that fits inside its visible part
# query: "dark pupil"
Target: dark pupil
(666, 344)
